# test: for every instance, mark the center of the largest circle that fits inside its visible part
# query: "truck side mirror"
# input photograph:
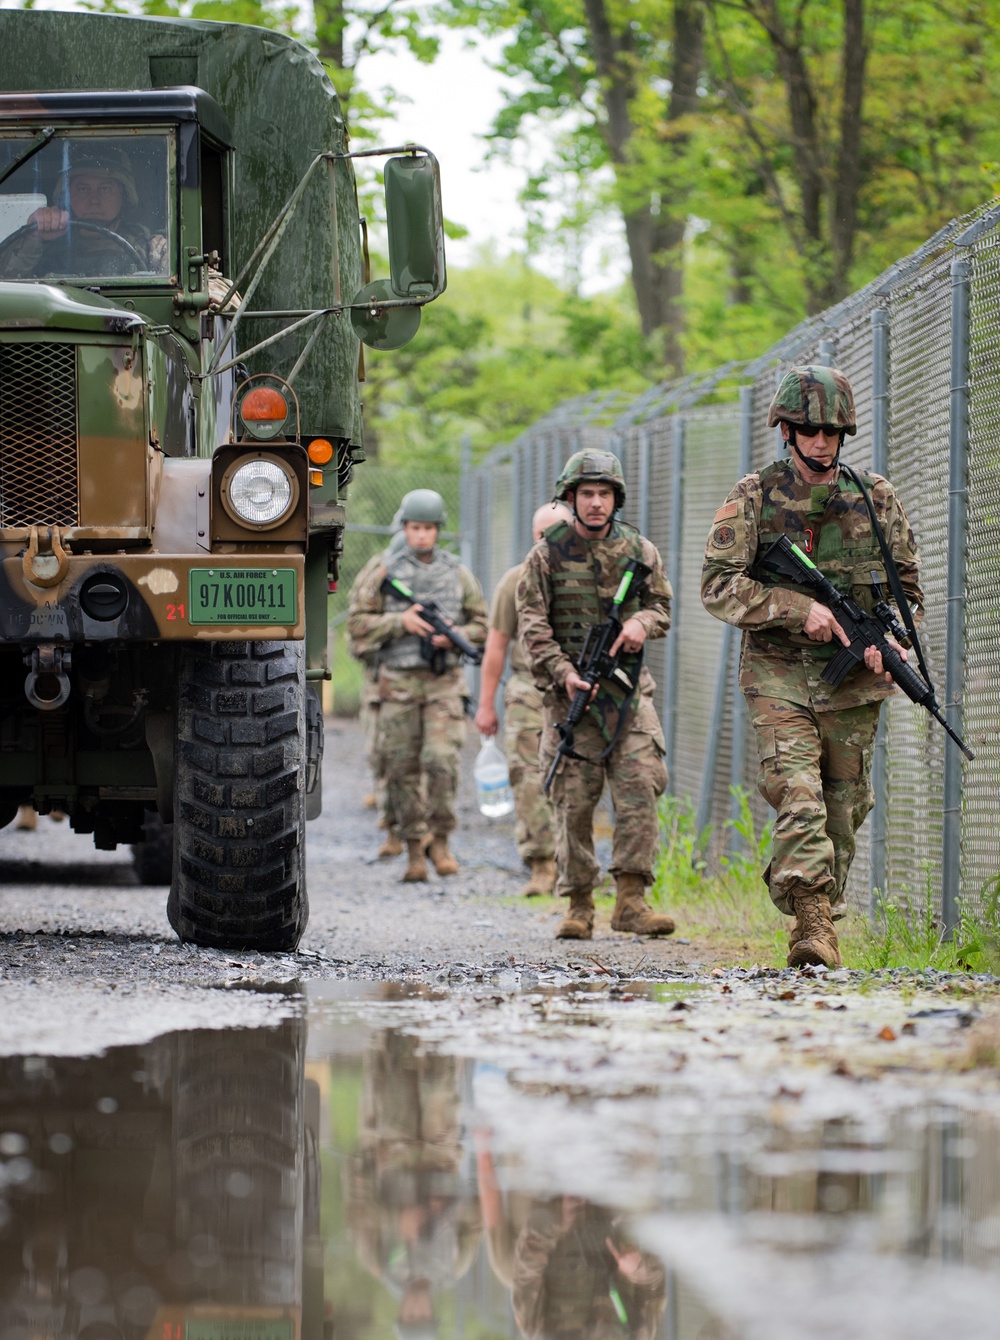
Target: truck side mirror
(415, 225)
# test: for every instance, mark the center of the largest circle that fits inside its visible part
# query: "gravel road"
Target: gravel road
(69, 912)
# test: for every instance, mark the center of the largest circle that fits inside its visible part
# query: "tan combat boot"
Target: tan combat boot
(578, 923)
(543, 877)
(392, 846)
(27, 819)
(444, 862)
(633, 913)
(815, 938)
(416, 870)
(370, 801)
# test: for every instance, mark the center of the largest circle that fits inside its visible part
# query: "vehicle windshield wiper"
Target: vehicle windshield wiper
(44, 136)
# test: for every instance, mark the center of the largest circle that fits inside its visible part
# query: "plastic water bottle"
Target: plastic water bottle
(492, 781)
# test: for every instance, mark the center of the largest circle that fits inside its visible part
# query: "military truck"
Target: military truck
(183, 297)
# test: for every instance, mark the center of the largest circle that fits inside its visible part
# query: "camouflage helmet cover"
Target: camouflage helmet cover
(592, 467)
(815, 395)
(105, 160)
(422, 505)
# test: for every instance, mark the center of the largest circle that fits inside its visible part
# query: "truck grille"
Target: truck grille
(38, 437)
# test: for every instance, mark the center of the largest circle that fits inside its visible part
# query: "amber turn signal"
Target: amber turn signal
(263, 404)
(316, 478)
(320, 451)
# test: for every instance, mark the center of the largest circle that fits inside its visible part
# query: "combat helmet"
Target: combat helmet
(106, 160)
(814, 395)
(592, 467)
(421, 505)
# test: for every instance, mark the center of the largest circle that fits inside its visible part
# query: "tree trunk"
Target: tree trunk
(654, 233)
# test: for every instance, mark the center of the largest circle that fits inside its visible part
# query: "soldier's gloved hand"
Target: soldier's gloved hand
(574, 684)
(50, 222)
(632, 636)
(873, 658)
(821, 626)
(413, 623)
(486, 719)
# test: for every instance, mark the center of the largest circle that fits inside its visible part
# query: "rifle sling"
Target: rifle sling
(622, 718)
(892, 572)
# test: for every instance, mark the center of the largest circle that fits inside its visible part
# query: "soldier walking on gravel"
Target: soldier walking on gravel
(422, 713)
(570, 579)
(371, 702)
(522, 720)
(814, 741)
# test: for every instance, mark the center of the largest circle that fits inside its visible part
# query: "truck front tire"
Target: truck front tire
(240, 796)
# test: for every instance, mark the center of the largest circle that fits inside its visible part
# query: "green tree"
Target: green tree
(626, 73)
(500, 349)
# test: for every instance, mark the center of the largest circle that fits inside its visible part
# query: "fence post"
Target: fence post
(671, 662)
(827, 353)
(958, 447)
(465, 524)
(645, 452)
(880, 464)
(738, 757)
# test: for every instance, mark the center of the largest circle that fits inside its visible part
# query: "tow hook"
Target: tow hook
(47, 685)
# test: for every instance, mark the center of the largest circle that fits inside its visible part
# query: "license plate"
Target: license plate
(239, 1328)
(242, 595)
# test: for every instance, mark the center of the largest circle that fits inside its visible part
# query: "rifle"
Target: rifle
(431, 612)
(785, 559)
(596, 662)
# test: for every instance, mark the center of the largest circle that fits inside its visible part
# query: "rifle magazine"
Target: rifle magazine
(840, 666)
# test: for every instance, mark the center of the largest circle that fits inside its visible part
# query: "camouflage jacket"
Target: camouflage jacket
(370, 625)
(832, 524)
(550, 662)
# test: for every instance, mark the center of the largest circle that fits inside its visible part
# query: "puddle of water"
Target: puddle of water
(484, 1166)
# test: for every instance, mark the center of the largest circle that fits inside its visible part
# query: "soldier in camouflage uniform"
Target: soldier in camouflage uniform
(371, 701)
(570, 578)
(522, 721)
(814, 741)
(576, 1275)
(422, 713)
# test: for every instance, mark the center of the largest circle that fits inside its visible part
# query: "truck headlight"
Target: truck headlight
(259, 492)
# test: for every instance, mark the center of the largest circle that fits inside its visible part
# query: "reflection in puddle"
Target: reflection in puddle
(228, 1185)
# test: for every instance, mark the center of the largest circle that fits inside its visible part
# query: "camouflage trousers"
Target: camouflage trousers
(421, 731)
(637, 776)
(815, 772)
(371, 702)
(522, 733)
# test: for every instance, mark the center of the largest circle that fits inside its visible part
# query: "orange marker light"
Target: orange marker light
(263, 405)
(316, 478)
(320, 451)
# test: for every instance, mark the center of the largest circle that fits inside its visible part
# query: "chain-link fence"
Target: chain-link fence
(921, 345)
(373, 496)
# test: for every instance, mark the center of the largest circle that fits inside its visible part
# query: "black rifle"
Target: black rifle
(431, 612)
(785, 559)
(596, 662)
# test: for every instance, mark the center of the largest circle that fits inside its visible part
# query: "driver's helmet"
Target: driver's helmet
(814, 395)
(104, 159)
(592, 467)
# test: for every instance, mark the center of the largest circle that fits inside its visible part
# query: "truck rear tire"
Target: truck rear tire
(240, 796)
(153, 857)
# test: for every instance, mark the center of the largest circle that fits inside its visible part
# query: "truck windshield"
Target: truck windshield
(94, 207)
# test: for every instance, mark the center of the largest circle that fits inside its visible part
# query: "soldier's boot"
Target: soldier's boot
(370, 801)
(816, 941)
(416, 869)
(578, 923)
(27, 819)
(440, 854)
(392, 846)
(633, 913)
(543, 876)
